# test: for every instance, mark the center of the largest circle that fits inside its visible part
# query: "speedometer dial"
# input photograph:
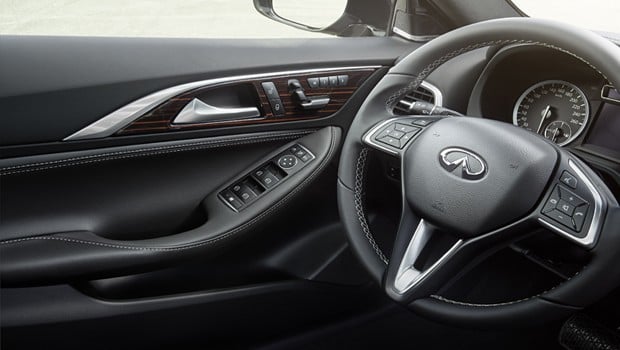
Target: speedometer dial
(556, 109)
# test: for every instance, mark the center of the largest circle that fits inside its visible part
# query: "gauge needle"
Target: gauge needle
(545, 114)
(555, 134)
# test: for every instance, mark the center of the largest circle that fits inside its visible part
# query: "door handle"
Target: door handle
(197, 112)
(315, 102)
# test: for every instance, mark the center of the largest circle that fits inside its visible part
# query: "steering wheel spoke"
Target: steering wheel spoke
(426, 259)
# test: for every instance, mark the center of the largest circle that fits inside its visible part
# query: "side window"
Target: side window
(186, 19)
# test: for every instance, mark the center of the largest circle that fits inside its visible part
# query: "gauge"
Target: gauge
(556, 109)
(558, 132)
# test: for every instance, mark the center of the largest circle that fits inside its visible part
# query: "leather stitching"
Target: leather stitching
(446, 300)
(443, 59)
(25, 168)
(427, 71)
(358, 195)
(328, 156)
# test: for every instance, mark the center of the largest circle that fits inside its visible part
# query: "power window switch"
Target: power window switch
(265, 177)
(244, 192)
(343, 80)
(232, 200)
(324, 81)
(268, 180)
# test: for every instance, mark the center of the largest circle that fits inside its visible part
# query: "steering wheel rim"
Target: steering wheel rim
(598, 53)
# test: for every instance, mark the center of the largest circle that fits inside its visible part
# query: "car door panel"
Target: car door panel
(54, 87)
(132, 192)
(102, 232)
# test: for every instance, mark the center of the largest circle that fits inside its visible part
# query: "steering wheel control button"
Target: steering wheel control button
(404, 128)
(422, 122)
(579, 216)
(392, 141)
(570, 197)
(562, 218)
(232, 200)
(552, 201)
(565, 208)
(396, 134)
(385, 131)
(568, 179)
(287, 161)
(313, 83)
(270, 90)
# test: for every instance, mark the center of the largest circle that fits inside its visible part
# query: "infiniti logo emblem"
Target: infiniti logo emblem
(470, 165)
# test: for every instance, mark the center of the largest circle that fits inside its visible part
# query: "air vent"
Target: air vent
(422, 93)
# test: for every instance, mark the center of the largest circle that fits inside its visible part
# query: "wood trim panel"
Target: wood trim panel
(160, 118)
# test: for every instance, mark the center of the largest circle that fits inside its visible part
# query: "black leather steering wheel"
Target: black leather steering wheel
(484, 182)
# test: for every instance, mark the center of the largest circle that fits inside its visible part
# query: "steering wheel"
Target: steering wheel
(483, 182)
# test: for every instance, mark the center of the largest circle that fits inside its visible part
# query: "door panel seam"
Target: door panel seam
(61, 163)
(302, 185)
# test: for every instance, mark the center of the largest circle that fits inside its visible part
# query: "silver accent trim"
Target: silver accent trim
(113, 122)
(463, 163)
(574, 136)
(408, 276)
(595, 226)
(315, 103)
(197, 112)
(607, 98)
(416, 38)
(437, 94)
(369, 140)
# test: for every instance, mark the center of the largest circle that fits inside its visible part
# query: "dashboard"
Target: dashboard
(553, 94)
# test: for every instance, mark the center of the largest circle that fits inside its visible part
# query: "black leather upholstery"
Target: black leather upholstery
(79, 245)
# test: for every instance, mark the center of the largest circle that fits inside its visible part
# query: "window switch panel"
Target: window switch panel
(265, 177)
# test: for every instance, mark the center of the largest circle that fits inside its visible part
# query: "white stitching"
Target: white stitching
(440, 298)
(358, 196)
(438, 62)
(145, 152)
(322, 165)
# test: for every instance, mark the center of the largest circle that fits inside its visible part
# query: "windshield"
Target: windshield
(599, 15)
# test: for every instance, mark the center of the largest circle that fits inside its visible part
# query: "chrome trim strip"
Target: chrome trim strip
(113, 122)
(435, 91)
(417, 38)
(408, 276)
(595, 226)
(607, 98)
(369, 140)
(197, 112)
